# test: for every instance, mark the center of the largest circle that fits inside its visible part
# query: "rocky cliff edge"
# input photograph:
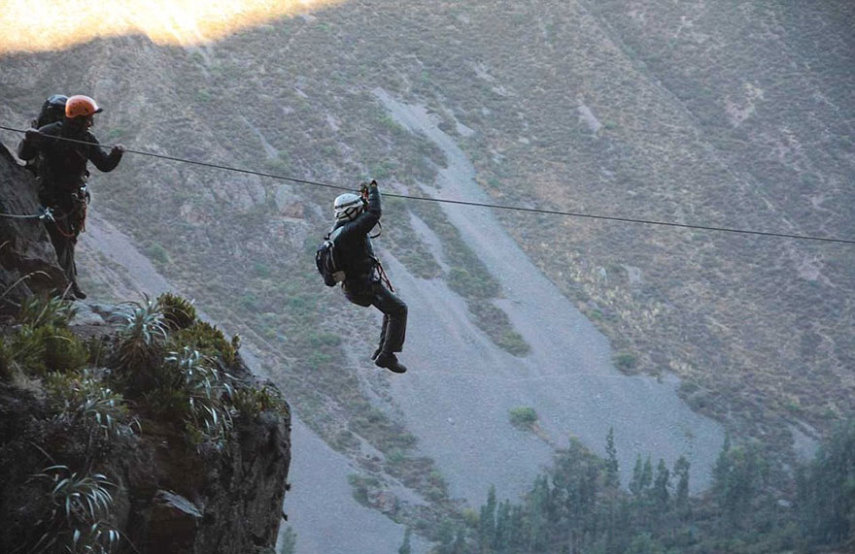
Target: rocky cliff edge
(131, 428)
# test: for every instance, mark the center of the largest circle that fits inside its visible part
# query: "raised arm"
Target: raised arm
(369, 218)
(104, 162)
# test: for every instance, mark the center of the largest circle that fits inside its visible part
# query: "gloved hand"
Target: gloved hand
(33, 135)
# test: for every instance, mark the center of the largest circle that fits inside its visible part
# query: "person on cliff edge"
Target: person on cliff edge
(365, 282)
(64, 149)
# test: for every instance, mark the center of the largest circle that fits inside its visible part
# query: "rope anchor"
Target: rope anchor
(46, 214)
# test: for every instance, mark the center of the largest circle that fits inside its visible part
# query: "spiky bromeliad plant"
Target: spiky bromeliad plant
(40, 310)
(205, 395)
(140, 349)
(77, 519)
(82, 397)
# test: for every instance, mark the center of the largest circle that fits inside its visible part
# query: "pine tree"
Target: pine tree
(739, 475)
(661, 494)
(487, 522)
(635, 485)
(647, 475)
(459, 546)
(517, 531)
(722, 464)
(504, 530)
(445, 538)
(681, 470)
(826, 493)
(612, 468)
(538, 515)
(405, 547)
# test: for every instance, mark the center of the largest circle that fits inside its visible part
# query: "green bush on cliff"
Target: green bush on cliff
(251, 401)
(523, 417)
(35, 351)
(63, 351)
(207, 339)
(202, 395)
(37, 311)
(81, 397)
(178, 312)
(42, 342)
(141, 340)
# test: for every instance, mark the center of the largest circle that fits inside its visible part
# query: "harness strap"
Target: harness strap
(74, 218)
(383, 277)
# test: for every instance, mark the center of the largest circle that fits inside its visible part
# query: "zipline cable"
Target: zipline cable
(540, 211)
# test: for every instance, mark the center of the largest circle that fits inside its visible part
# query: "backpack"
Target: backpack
(53, 110)
(325, 259)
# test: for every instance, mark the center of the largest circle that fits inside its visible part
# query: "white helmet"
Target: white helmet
(348, 206)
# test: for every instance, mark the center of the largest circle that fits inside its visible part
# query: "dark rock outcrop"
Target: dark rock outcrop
(27, 259)
(169, 494)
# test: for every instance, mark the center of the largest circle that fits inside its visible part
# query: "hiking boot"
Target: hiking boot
(75, 290)
(390, 362)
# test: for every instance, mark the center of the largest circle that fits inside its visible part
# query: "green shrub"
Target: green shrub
(495, 323)
(40, 310)
(63, 350)
(26, 351)
(36, 351)
(625, 361)
(178, 312)
(80, 397)
(513, 343)
(158, 253)
(207, 339)
(251, 401)
(362, 486)
(523, 417)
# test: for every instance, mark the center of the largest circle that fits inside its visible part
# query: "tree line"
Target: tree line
(580, 506)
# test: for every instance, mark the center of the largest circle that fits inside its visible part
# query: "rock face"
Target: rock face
(167, 497)
(169, 493)
(27, 259)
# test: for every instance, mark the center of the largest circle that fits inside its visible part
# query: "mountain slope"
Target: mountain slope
(713, 113)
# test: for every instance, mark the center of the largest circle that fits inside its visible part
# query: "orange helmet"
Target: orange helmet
(80, 106)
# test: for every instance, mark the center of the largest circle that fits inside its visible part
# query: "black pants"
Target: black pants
(70, 213)
(394, 329)
(64, 240)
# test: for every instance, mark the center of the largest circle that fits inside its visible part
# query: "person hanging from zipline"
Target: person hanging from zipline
(64, 149)
(364, 281)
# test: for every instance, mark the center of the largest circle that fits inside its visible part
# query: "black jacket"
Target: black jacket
(62, 164)
(354, 246)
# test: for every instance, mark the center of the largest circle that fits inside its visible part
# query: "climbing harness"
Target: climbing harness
(383, 277)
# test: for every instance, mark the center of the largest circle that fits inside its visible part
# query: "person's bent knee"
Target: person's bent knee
(400, 309)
